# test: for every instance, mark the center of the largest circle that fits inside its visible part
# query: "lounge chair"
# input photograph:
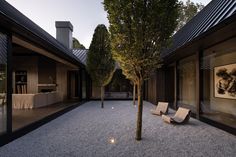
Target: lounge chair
(162, 108)
(181, 116)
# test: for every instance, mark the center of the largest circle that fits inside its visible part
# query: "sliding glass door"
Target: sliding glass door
(218, 66)
(3, 83)
(187, 83)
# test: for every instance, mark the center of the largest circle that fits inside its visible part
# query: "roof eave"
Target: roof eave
(222, 24)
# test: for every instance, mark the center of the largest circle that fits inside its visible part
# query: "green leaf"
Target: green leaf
(100, 63)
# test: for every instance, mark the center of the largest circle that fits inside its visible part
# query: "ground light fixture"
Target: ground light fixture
(112, 140)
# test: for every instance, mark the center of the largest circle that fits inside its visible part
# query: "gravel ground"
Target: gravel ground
(86, 132)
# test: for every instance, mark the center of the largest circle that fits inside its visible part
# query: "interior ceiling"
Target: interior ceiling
(22, 51)
(31, 49)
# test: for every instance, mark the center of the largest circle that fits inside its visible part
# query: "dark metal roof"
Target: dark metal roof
(13, 14)
(211, 15)
(81, 54)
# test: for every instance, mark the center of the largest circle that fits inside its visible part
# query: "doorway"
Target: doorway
(73, 85)
(170, 86)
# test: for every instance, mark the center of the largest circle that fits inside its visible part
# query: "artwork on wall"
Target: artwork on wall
(225, 81)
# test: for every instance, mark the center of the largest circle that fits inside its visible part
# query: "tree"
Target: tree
(134, 92)
(77, 45)
(187, 11)
(100, 63)
(139, 29)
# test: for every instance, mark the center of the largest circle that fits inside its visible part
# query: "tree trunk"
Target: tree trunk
(134, 91)
(102, 96)
(140, 112)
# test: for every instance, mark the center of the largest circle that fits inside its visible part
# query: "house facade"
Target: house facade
(37, 70)
(39, 75)
(199, 69)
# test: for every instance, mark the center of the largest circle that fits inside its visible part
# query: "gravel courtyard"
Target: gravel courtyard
(87, 130)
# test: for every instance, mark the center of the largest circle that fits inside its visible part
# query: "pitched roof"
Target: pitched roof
(81, 54)
(13, 14)
(211, 15)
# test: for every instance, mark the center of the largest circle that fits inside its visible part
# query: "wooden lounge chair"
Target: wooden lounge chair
(181, 116)
(162, 108)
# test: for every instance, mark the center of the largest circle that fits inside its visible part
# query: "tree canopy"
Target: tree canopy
(187, 11)
(100, 63)
(139, 29)
(77, 44)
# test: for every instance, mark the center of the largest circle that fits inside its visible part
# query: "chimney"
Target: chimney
(64, 33)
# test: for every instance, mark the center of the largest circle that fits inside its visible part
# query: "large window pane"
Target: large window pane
(3, 82)
(219, 86)
(187, 83)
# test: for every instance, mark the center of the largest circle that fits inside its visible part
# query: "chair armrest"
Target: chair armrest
(152, 110)
(166, 119)
(155, 112)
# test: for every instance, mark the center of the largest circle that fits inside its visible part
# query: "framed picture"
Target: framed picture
(225, 81)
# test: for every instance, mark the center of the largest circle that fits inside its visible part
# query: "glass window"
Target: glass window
(187, 83)
(3, 82)
(219, 85)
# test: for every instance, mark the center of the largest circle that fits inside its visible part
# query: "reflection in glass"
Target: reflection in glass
(218, 103)
(3, 82)
(187, 83)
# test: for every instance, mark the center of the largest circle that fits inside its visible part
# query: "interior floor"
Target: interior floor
(24, 117)
(226, 119)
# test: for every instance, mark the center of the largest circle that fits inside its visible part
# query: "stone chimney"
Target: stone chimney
(64, 33)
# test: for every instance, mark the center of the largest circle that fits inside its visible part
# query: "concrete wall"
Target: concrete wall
(64, 31)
